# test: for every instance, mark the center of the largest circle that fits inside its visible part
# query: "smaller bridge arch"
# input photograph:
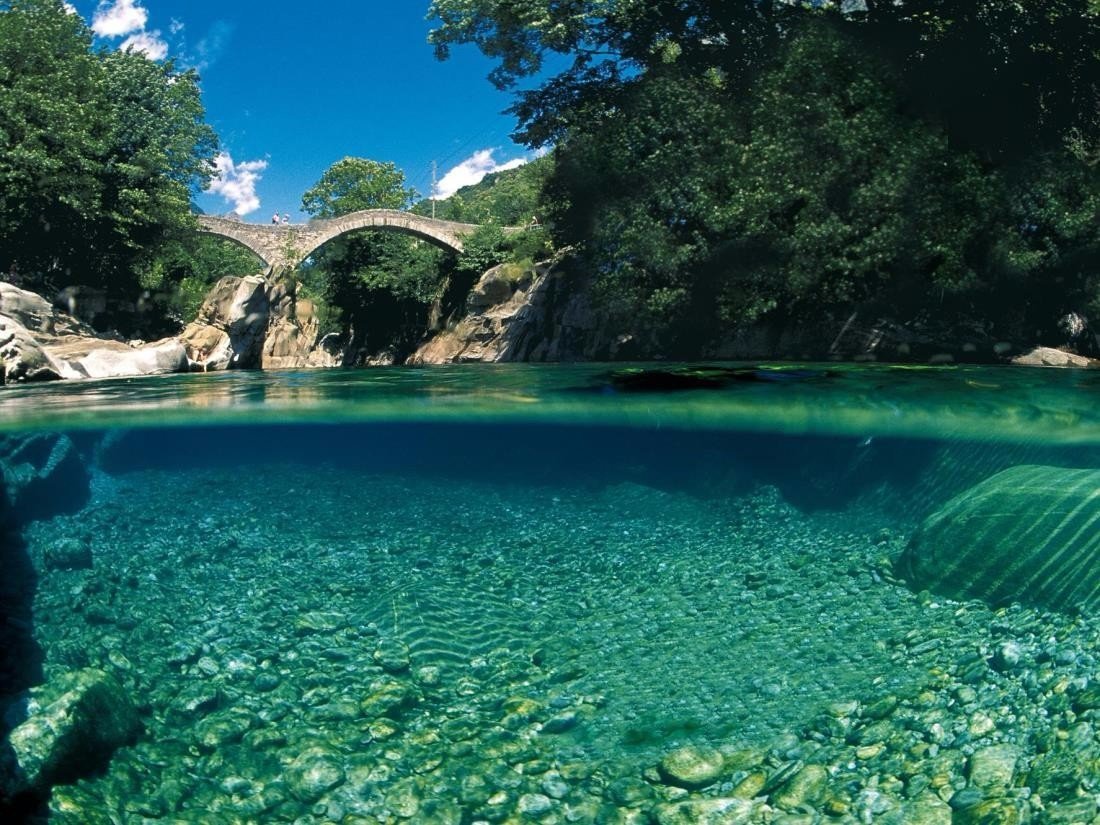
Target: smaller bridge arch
(289, 244)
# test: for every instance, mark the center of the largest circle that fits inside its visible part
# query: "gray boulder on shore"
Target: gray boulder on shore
(244, 323)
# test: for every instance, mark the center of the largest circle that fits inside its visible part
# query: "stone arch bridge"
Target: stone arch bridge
(288, 245)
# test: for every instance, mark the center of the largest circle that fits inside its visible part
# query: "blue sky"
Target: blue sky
(292, 87)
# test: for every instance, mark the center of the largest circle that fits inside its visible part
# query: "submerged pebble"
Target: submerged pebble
(623, 654)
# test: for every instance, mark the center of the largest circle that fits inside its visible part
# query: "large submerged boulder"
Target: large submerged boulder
(42, 475)
(1029, 534)
(73, 726)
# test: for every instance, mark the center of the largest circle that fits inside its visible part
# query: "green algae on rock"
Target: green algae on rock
(73, 727)
(1027, 534)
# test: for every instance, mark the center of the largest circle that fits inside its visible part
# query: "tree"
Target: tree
(99, 153)
(508, 198)
(999, 73)
(354, 184)
(379, 283)
(722, 162)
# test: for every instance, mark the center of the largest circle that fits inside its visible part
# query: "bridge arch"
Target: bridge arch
(290, 244)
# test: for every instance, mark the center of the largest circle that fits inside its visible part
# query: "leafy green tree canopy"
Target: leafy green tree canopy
(1001, 75)
(354, 184)
(99, 152)
(376, 283)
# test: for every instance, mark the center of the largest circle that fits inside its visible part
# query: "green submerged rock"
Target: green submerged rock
(74, 725)
(692, 766)
(1029, 534)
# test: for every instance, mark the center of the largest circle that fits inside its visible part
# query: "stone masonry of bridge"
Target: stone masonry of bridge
(290, 244)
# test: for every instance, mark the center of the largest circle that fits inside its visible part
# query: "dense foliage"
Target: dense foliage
(99, 155)
(377, 284)
(717, 163)
(509, 198)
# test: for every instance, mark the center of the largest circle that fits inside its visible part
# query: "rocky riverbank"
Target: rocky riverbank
(254, 322)
(541, 314)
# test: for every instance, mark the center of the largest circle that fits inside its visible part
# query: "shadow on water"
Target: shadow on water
(20, 655)
(811, 472)
(41, 475)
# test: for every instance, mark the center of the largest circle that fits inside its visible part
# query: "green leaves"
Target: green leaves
(377, 283)
(354, 184)
(99, 153)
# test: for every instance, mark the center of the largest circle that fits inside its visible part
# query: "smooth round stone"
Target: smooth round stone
(751, 786)
(265, 682)
(980, 725)
(534, 804)
(69, 554)
(692, 767)
(392, 656)
(429, 676)
(993, 767)
(966, 798)
(312, 773)
(561, 723)
(387, 697)
(806, 787)
(554, 786)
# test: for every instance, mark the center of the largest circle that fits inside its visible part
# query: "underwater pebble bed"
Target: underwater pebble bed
(311, 644)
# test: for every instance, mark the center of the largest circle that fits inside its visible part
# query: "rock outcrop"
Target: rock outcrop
(231, 324)
(293, 338)
(538, 314)
(40, 343)
(73, 726)
(21, 356)
(257, 322)
(1050, 357)
(1027, 534)
(244, 323)
(42, 475)
(99, 358)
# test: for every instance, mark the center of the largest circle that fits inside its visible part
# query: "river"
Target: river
(595, 594)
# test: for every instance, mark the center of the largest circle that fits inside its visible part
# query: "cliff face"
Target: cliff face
(539, 314)
(547, 314)
(256, 322)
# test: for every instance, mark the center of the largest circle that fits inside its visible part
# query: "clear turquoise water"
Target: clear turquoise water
(504, 594)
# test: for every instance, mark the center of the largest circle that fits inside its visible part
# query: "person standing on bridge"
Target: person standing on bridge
(275, 218)
(286, 218)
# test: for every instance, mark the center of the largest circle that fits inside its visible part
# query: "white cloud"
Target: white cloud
(176, 26)
(211, 46)
(70, 8)
(148, 43)
(236, 182)
(471, 171)
(119, 18)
